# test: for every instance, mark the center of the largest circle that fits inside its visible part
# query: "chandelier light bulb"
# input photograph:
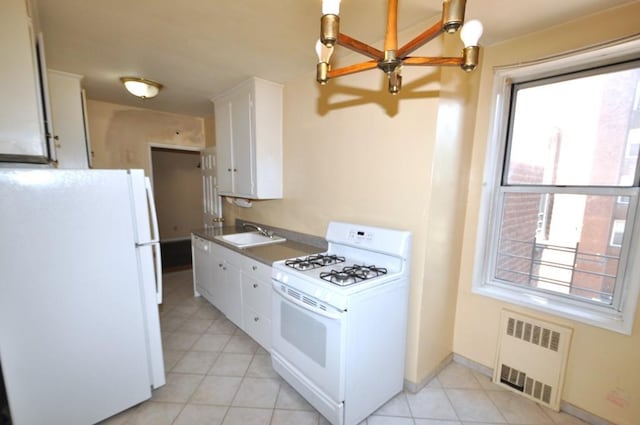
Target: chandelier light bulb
(471, 33)
(324, 53)
(331, 7)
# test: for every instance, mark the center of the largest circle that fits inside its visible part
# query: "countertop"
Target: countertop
(296, 245)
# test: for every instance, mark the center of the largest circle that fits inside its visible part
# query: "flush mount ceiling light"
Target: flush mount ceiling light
(141, 87)
(391, 60)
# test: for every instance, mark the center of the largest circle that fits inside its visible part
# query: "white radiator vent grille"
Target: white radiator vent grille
(303, 298)
(532, 356)
(534, 334)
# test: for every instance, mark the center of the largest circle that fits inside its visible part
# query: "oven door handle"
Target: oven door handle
(328, 314)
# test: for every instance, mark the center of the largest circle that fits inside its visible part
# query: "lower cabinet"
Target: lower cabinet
(256, 295)
(238, 286)
(227, 290)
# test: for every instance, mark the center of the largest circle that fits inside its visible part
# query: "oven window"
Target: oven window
(304, 332)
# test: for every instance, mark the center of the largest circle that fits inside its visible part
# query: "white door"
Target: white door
(212, 212)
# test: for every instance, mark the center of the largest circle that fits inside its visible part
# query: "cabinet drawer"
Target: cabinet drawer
(256, 269)
(258, 327)
(257, 295)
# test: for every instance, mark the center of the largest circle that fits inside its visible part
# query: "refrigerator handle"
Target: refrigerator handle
(157, 260)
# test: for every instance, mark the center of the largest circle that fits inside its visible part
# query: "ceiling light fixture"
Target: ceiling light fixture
(141, 87)
(393, 58)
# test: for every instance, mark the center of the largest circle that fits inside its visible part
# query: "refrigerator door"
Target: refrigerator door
(74, 337)
(150, 269)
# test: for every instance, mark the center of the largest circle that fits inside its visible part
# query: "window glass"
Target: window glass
(562, 243)
(574, 132)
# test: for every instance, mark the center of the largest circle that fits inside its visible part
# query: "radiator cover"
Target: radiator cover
(532, 357)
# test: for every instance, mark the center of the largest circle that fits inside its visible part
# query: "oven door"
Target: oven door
(309, 337)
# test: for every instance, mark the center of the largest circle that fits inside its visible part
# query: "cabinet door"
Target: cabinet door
(202, 266)
(21, 121)
(227, 289)
(224, 171)
(65, 94)
(242, 129)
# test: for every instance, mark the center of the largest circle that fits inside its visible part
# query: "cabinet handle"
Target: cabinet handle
(255, 319)
(220, 265)
(235, 170)
(255, 285)
(254, 268)
(229, 169)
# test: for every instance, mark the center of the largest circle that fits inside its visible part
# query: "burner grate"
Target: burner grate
(314, 261)
(352, 274)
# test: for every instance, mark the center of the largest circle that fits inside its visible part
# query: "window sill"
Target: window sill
(593, 315)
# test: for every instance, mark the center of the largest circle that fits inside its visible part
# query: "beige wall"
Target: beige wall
(603, 375)
(177, 184)
(353, 152)
(121, 135)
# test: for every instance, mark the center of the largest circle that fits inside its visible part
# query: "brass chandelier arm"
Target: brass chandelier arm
(422, 39)
(352, 69)
(359, 47)
(424, 61)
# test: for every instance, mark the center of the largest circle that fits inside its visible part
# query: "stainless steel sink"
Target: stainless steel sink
(249, 239)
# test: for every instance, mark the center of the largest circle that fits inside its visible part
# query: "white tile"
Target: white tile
(231, 364)
(222, 326)
(121, 418)
(196, 362)
(171, 323)
(218, 390)
(431, 403)
(517, 409)
(247, 416)
(195, 326)
(241, 344)
(288, 398)
(388, 420)
(294, 417)
(434, 383)
(436, 422)
(260, 367)
(201, 414)
(178, 388)
(397, 406)
(209, 342)
(178, 340)
(152, 413)
(456, 375)
(486, 382)
(474, 405)
(171, 357)
(257, 392)
(207, 311)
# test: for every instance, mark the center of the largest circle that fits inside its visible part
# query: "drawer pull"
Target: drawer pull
(255, 319)
(255, 285)
(254, 268)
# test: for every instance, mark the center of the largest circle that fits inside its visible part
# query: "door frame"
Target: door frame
(172, 147)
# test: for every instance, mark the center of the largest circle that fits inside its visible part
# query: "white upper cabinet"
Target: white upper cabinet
(22, 133)
(249, 140)
(68, 116)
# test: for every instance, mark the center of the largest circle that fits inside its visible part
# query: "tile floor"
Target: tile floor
(217, 375)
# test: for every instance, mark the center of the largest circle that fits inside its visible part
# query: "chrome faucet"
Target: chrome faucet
(260, 230)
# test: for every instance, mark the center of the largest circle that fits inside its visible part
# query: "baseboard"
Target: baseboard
(413, 387)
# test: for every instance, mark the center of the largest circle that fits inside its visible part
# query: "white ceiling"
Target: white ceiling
(199, 48)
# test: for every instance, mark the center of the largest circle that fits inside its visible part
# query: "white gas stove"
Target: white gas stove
(339, 321)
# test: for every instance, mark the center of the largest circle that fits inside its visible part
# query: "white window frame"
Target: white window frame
(616, 229)
(621, 315)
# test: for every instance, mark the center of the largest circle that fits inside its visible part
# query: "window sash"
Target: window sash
(632, 193)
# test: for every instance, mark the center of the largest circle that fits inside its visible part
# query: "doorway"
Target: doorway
(177, 186)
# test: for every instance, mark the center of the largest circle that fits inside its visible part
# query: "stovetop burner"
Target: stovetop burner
(352, 274)
(314, 261)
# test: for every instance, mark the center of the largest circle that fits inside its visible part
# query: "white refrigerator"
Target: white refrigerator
(80, 284)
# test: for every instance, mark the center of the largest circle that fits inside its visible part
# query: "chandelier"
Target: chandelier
(391, 60)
